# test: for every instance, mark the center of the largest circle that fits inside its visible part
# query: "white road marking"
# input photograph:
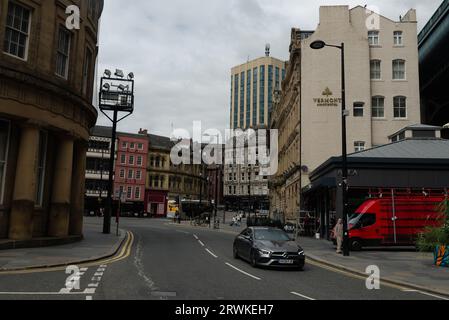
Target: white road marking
(212, 254)
(302, 296)
(241, 271)
(98, 274)
(196, 237)
(201, 243)
(427, 294)
(89, 298)
(93, 285)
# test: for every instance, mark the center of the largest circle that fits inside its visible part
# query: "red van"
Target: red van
(393, 221)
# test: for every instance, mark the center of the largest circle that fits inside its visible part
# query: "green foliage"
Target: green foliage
(432, 236)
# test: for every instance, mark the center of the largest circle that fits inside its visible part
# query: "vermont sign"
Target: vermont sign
(327, 99)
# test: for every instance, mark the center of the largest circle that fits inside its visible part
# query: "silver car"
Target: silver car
(268, 247)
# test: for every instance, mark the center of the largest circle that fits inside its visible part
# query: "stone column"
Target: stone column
(78, 189)
(61, 191)
(21, 219)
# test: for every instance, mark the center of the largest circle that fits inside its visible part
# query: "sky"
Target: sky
(182, 51)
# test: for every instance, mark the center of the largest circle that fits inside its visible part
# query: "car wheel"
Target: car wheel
(356, 245)
(235, 253)
(253, 259)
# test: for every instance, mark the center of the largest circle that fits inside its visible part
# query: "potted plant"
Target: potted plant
(436, 239)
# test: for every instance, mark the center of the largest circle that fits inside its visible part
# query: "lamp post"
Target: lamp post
(319, 44)
(116, 95)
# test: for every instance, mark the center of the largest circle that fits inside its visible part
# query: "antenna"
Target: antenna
(267, 49)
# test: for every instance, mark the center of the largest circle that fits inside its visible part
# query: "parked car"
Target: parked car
(268, 247)
(392, 221)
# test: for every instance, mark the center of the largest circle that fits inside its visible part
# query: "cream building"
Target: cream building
(382, 89)
(253, 85)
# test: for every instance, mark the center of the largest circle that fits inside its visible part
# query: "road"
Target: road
(170, 262)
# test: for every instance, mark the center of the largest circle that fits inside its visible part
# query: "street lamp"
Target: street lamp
(116, 95)
(319, 44)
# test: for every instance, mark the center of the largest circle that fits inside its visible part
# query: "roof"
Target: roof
(411, 152)
(417, 127)
(410, 149)
(101, 131)
(160, 142)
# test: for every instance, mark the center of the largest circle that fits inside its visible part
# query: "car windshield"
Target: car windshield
(271, 235)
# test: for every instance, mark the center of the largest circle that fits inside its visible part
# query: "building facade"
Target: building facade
(97, 169)
(382, 88)
(285, 184)
(245, 185)
(253, 84)
(130, 171)
(158, 175)
(46, 113)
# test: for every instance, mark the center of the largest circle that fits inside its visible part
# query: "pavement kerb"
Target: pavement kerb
(110, 254)
(346, 269)
(407, 285)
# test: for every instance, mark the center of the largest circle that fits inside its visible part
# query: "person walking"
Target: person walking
(338, 232)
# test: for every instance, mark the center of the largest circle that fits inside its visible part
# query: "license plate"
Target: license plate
(286, 261)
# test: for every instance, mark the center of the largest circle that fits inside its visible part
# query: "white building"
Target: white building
(382, 82)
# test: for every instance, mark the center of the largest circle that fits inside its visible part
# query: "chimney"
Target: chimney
(143, 131)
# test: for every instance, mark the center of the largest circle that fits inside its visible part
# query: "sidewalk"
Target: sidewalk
(95, 246)
(399, 266)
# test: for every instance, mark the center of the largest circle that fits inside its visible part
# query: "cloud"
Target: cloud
(181, 52)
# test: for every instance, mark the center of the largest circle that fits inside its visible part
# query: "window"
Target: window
(62, 53)
(400, 107)
(398, 38)
(123, 159)
(4, 146)
(242, 98)
(248, 98)
(133, 145)
(358, 109)
(230, 190)
(373, 38)
(140, 146)
(255, 94)
(137, 193)
(375, 70)
(87, 71)
(131, 160)
(129, 194)
(124, 145)
(17, 30)
(122, 173)
(139, 160)
(130, 174)
(138, 175)
(359, 146)
(121, 190)
(378, 107)
(262, 96)
(398, 69)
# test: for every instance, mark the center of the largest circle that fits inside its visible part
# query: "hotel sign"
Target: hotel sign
(328, 100)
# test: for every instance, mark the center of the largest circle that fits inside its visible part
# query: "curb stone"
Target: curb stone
(110, 254)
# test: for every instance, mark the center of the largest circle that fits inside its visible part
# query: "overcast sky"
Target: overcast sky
(182, 51)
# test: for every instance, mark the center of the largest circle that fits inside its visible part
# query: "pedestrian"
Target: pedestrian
(338, 232)
(178, 216)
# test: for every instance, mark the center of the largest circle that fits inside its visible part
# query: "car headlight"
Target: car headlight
(301, 252)
(264, 252)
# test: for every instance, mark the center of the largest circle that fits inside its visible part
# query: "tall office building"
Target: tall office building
(252, 89)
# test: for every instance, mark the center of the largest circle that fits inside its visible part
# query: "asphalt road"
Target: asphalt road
(171, 262)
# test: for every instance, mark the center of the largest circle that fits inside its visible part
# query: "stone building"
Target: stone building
(285, 185)
(382, 93)
(46, 89)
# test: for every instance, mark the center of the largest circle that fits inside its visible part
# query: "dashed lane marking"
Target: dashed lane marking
(201, 243)
(212, 254)
(302, 296)
(243, 272)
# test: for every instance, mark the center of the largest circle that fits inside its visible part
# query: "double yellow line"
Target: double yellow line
(124, 253)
